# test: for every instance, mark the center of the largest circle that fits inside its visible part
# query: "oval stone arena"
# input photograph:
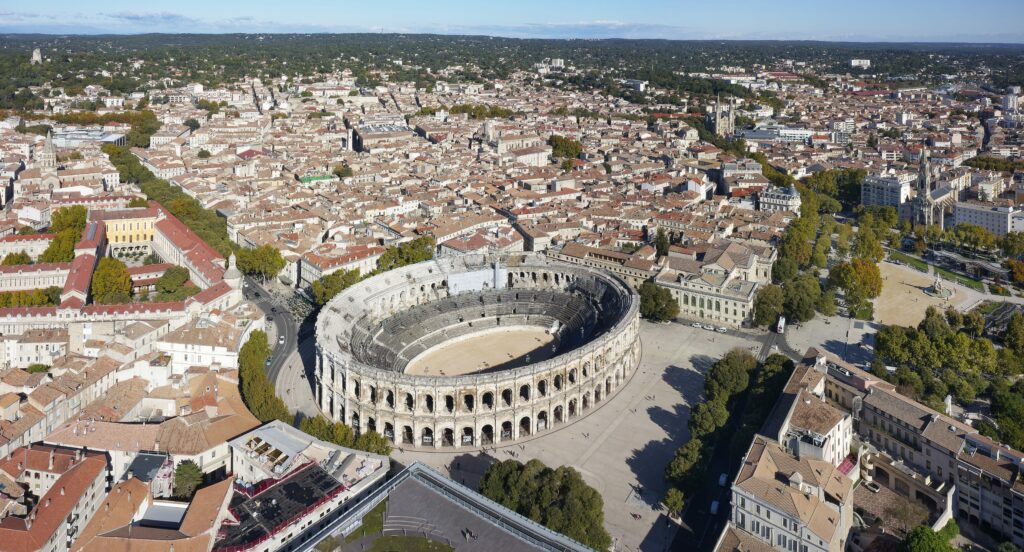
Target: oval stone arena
(475, 350)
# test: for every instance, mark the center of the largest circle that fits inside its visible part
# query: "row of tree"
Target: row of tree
(726, 378)
(342, 435)
(30, 297)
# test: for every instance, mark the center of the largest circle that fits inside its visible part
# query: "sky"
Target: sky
(834, 20)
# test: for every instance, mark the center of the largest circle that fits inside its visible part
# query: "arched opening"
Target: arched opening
(373, 394)
(572, 376)
(488, 400)
(355, 422)
(448, 437)
(428, 402)
(558, 414)
(467, 436)
(542, 421)
(558, 382)
(597, 394)
(389, 431)
(428, 437)
(449, 404)
(389, 398)
(469, 402)
(356, 389)
(524, 426)
(407, 435)
(506, 397)
(506, 431)
(542, 388)
(572, 408)
(524, 392)
(586, 369)
(586, 401)
(371, 424)
(608, 386)
(409, 402)
(487, 435)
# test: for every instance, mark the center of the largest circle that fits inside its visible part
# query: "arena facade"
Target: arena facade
(475, 350)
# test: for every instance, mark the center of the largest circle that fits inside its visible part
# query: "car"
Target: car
(280, 339)
(273, 309)
(714, 507)
(872, 486)
(257, 295)
(697, 325)
(720, 329)
(267, 363)
(246, 284)
(709, 327)
(723, 479)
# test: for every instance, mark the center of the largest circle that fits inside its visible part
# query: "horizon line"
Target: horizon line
(6, 33)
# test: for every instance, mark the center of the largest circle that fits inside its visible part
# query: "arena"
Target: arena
(474, 350)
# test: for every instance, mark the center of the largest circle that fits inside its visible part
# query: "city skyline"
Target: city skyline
(867, 21)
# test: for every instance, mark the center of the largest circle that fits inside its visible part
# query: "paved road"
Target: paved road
(291, 362)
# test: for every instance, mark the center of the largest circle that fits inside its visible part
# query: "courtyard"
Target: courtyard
(903, 300)
(622, 447)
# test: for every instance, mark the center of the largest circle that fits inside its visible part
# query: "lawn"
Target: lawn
(373, 523)
(953, 276)
(908, 260)
(398, 543)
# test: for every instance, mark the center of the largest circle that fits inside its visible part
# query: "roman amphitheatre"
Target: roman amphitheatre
(473, 350)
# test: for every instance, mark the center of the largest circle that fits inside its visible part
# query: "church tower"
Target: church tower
(924, 202)
(48, 158)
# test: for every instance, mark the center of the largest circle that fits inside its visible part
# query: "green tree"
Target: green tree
(37, 368)
(257, 391)
(801, 298)
(192, 124)
(707, 417)
(923, 539)
(407, 253)
(558, 498)
(265, 261)
(1014, 336)
(342, 171)
(187, 478)
(327, 287)
(768, 305)
(138, 202)
(111, 282)
(657, 303)
(684, 462)
(730, 375)
(867, 246)
(374, 442)
(26, 231)
(661, 242)
(674, 501)
(564, 147)
(66, 218)
(17, 258)
(61, 248)
(203, 154)
(172, 279)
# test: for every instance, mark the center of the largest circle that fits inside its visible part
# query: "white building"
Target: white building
(780, 199)
(998, 218)
(888, 189)
(860, 63)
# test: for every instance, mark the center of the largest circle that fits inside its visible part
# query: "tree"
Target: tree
(172, 279)
(17, 258)
(706, 417)
(192, 124)
(187, 478)
(26, 231)
(923, 539)
(111, 283)
(785, 269)
(342, 171)
(66, 218)
(407, 253)
(61, 248)
(827, 303)
(730, 375)
(657, 303)
(265, 261)
(661, 242)
(203, 154)
(768, 305)
(867, 246)
(564, 147)
(557, 498)
(37, 368)
(1014, 336)
(327, 287)
(374, 442)
(257, 391)
(674, 501)
(138, 202)
(801, 297)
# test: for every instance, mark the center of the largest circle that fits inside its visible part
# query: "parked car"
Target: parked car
(723, 479)
(697, 325)
(280, 339)
(872, 486)
(714, 507)
(720, 329)
(709, 327)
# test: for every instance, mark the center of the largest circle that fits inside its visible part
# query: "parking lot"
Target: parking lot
(622, 447)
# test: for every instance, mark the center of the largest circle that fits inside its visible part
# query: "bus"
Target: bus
(781, 326)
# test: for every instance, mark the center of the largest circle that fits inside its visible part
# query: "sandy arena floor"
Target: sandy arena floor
(506, 347)
(903, 300)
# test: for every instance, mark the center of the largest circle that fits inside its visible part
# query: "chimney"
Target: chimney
(51, 459)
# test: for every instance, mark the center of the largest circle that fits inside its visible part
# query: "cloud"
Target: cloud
(151, 18)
